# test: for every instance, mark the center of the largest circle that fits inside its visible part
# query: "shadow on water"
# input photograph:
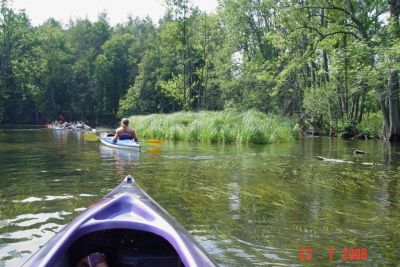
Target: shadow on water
(246, 204)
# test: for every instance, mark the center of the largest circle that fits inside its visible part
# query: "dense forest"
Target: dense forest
(333, 64)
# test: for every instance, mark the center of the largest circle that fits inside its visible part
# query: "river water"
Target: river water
(247, 205)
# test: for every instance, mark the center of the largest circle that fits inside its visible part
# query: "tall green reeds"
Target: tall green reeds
(216, 127)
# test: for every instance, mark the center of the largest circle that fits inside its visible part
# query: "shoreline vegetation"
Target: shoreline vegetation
(335, 80)
(249, 127)
(217, 127)
(243, 127)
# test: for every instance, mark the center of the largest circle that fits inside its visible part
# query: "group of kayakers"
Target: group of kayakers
(124, 132)
(67, 125)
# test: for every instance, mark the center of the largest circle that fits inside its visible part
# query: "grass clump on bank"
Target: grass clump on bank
(216, 127)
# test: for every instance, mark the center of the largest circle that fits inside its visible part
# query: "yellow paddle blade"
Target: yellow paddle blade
(91, 137)
(153, 142)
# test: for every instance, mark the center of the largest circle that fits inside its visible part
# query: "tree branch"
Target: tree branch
(322, 35)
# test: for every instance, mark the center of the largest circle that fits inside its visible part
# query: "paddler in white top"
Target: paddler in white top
(124, 132)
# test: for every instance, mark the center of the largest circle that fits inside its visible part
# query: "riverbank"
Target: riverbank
(217, 127)
(369, 128)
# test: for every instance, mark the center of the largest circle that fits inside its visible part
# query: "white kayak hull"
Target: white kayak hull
(121, 144)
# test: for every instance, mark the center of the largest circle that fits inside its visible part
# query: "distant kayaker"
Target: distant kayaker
(124, 132)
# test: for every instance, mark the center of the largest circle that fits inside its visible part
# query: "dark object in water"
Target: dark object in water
(360, 152)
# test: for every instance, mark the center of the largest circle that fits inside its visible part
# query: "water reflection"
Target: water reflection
(234, 199)
(59, 136)
(120, 155)
(391, 155)
(391, 158)
(154, 151)
(121, 160)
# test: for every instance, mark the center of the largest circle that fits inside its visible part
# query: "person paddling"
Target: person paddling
(124, 132)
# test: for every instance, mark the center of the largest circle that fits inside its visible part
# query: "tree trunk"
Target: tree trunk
(393, 88)
(364, 87)
(345, 104)
(354, 108)
(204, 69)
(385, 113)
(185, 107)
(331, 131)
(325, 65)
(312, 74)
(36, 112)
(393, 82)
(307, 76)
(324, 55)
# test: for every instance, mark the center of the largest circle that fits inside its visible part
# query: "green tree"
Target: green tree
(55, 58)
(16, 42)
(115, 71)
(143, 97)
(86, 39)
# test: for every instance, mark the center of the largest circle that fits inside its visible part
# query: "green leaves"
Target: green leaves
(329, 59)
(173, 88)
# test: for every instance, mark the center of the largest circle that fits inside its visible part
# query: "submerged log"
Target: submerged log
(360, 152)
(346, 161)
(334, 160)
(371, 164)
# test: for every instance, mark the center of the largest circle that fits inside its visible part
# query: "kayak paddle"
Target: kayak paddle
(91, 137)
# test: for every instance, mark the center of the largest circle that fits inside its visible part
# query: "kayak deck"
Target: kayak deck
(130, 228)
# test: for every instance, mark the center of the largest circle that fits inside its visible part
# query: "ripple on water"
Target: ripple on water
(36, 238)
(27, 220)
(25, 233)
(47, 198)
(198, 157)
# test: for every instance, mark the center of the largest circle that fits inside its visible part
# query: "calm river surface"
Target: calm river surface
(247, 205)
